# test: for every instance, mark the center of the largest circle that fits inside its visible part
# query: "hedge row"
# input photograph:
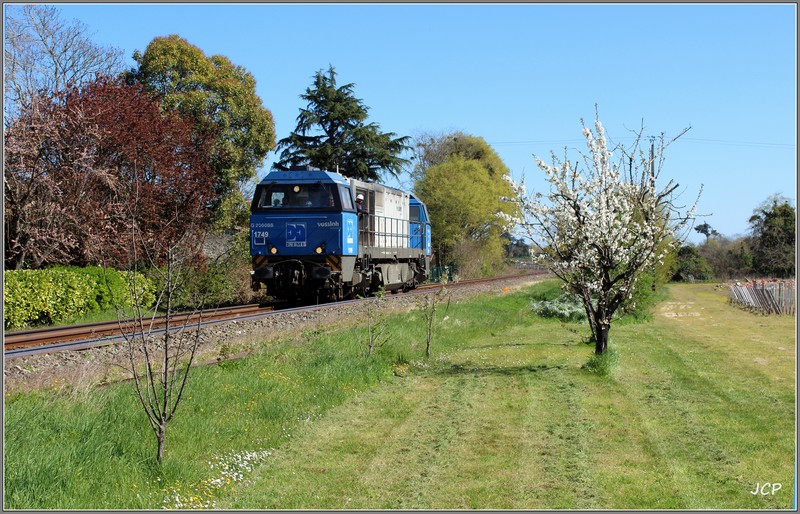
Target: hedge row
(46, 296)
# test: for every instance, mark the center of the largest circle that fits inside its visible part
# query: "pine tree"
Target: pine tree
(332, 134)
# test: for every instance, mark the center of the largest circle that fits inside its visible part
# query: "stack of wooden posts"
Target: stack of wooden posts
(766, 296)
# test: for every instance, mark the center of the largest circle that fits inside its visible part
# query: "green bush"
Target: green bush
(34, 297)
(47, 296)
(209, 287)
(549, 301)
(645, 296)
(547, 290)
(691, 266)
(193, 289)
(145, 290)
(111, 288)
(213, 282)
(604, 364)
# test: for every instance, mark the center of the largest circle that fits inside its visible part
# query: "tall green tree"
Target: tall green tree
(332, 133)
(465, 185)
(773, 237)
(433, 149)
(707, 230)
(221, 99)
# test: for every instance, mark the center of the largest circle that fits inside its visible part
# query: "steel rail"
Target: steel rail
(96, 331)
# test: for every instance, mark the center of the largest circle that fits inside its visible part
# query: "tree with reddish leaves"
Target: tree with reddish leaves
(85, 166)
(101, 174)
(34, 215)
(165, 182)
(161, 207)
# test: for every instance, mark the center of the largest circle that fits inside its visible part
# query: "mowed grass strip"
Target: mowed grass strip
(438, 444)
(699, 411)
(714, 386)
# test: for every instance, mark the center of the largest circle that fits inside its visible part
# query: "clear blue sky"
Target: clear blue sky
(523, 75)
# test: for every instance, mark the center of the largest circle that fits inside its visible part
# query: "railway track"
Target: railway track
(89, 335)
(80, 337)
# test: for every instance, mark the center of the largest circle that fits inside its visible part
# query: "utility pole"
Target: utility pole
(652, 163)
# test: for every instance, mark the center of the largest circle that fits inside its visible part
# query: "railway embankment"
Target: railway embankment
(229, 340)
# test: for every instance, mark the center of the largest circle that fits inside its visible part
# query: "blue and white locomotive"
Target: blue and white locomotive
(309, 241)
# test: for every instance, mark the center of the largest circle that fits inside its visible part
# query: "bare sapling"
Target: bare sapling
(376, 335)
(427, 305)
(161, 346)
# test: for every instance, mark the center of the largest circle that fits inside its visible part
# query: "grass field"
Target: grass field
(700, 410)
(696, 413)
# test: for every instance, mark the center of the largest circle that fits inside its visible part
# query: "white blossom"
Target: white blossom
(601, 227)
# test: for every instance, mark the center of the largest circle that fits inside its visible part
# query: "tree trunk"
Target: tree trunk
(601, 338)
(161, 436)
(430, 332)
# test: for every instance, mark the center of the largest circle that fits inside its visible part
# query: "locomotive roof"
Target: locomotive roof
(313, 176)
(304, 176)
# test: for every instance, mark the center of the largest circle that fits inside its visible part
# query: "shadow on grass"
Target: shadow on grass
(466, 369)
(521, 345)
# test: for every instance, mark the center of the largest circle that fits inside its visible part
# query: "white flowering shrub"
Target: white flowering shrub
(565, 308)
(604, 223)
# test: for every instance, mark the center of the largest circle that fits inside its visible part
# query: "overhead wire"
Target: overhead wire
(683, 139)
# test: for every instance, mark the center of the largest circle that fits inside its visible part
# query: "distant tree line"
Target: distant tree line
(768, 250)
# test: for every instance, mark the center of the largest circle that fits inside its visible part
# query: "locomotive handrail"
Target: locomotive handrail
(396, 233)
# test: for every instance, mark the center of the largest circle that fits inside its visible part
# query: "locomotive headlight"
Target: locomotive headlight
(296, 189)
(273, 250)
(319, 249)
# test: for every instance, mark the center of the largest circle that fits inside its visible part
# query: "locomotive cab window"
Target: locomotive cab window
(413, 213)
(297, 197)
(347, 198)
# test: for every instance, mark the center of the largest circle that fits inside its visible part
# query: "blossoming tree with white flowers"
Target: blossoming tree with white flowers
(603, 224)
